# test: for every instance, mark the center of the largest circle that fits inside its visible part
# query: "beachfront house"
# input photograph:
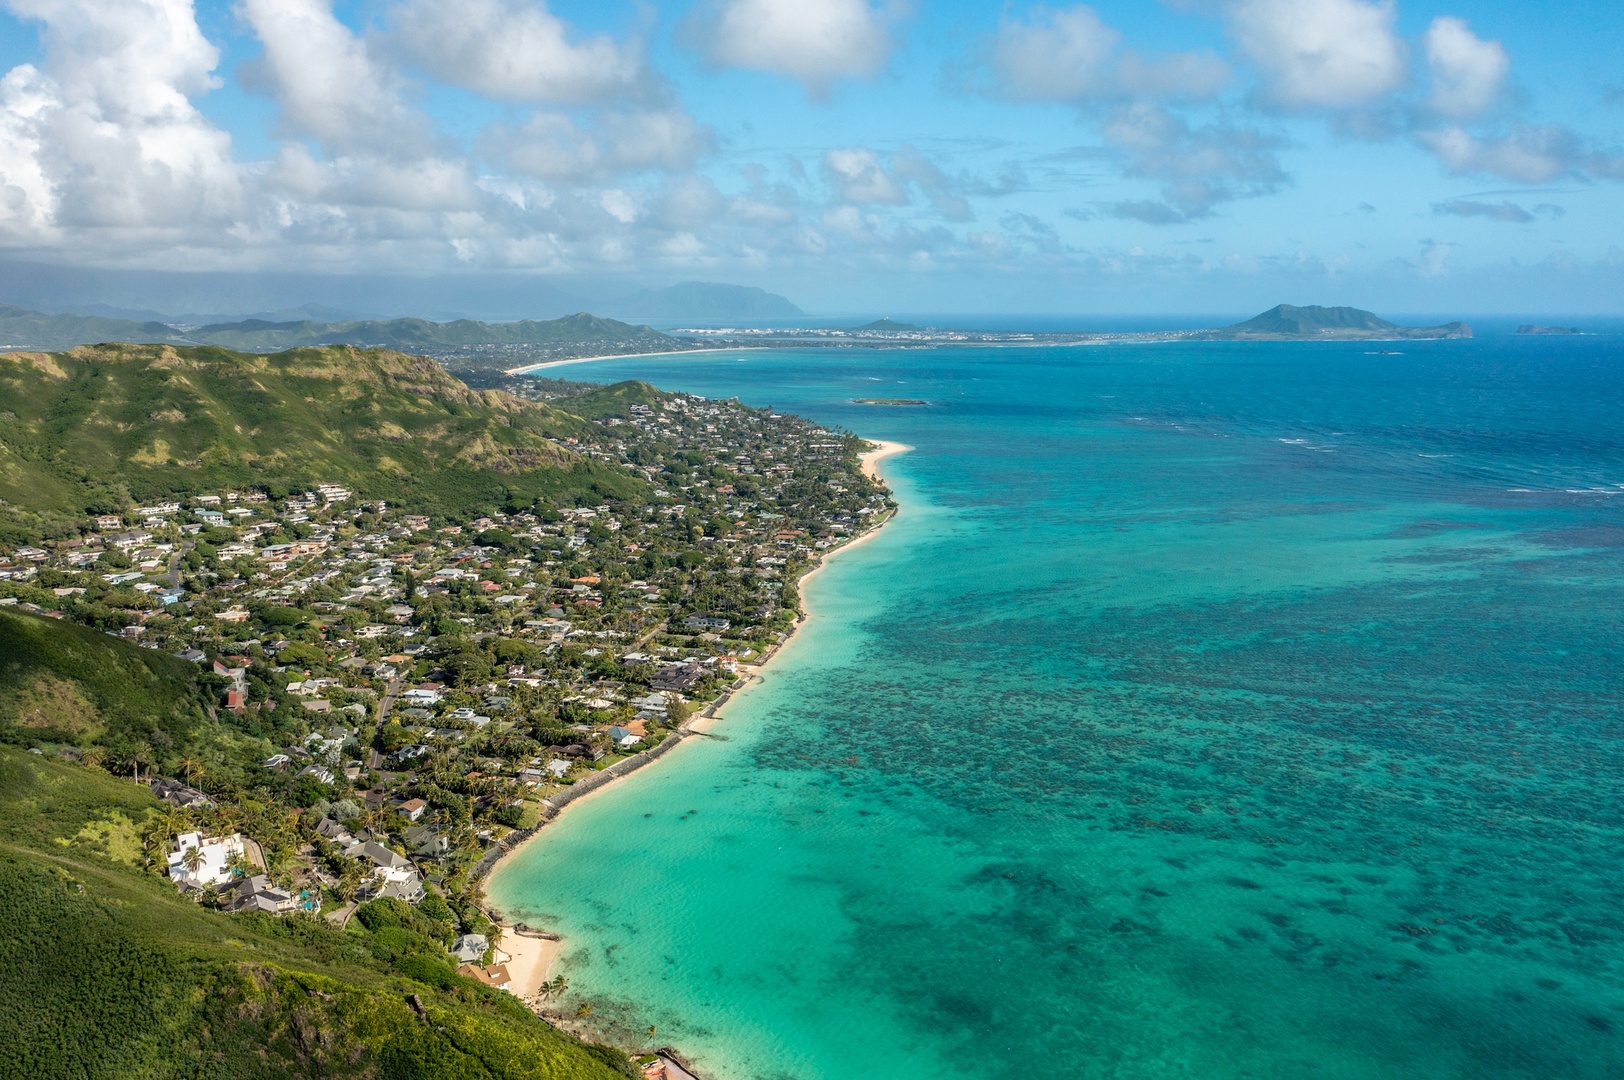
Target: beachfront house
(427, 842)
(496, 976)
(707, 623)
(470, 948)
(379, 856)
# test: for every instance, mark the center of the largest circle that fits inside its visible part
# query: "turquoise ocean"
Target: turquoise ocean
(1220, 711)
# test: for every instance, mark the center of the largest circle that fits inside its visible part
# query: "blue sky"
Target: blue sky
(856, 155)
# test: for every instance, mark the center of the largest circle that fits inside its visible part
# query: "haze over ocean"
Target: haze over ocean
(1220, 710)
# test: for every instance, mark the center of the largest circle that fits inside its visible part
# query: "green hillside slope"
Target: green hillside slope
(103, 425)
(420, 334)
(106, 973)
(62, 683)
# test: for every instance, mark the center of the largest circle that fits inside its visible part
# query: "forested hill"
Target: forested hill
(419, 335)
(580, 334)
(102, 426)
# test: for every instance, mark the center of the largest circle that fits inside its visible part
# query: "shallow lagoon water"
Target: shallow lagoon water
(1220, 711)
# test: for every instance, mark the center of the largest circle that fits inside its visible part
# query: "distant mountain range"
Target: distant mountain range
(1288, 323)
(420, 335)
(702, 301)
(474, 344)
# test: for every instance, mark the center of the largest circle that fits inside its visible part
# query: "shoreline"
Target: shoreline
(534, 953)
(527, 368)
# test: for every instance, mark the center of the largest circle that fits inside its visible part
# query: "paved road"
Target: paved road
(388, 702)
(172, 577)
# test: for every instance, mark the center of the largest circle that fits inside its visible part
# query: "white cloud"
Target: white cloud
(1198, 167)
(619, 205)
(857, 177)
(1055, 55)
(1529, 154)
(1468, 73)
(516, 50)
(379, 154)
(1331, 54)
(814, 41)
(554, 147)
(327, 83)
(104, 134)
(1071, 55)
(1434, 261)
(421, 184)
(27, 193)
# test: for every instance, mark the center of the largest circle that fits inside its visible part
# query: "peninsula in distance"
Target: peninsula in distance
(478, 348)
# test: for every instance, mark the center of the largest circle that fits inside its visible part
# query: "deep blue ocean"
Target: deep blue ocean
(1210, 710)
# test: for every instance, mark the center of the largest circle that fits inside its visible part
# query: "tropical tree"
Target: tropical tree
(193, 859)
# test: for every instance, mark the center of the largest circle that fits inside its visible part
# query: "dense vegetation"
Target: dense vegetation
(106, 972)
(94, 428)
(20, 327)
(62, 683)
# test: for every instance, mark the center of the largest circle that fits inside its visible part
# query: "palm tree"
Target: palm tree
(193, 859)
(228, 819)
(190, 768)
(172, 820)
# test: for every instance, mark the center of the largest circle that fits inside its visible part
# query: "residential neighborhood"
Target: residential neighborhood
(398, 693)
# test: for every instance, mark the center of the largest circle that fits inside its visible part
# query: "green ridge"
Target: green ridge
(109, 425)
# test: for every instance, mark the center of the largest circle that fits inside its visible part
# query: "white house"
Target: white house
(209, 867)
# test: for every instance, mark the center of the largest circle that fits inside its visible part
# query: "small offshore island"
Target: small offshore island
(277, 688)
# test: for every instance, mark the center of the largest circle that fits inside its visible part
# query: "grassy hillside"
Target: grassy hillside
(106, 972)
(615, 400)
(62, 683)
(106, 424)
